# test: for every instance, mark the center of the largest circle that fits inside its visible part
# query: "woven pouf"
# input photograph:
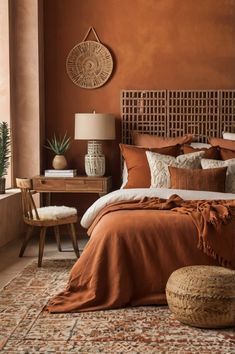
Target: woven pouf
(202, 296)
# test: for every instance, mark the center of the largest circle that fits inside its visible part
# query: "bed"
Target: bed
(139, 236)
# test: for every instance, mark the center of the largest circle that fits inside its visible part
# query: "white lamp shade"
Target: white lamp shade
(94, 126)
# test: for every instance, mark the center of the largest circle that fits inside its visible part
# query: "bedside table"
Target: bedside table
(79, 184)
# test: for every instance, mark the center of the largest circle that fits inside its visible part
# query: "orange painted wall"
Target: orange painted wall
(172, 44)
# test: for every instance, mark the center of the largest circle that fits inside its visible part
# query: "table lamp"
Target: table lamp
(94, 127)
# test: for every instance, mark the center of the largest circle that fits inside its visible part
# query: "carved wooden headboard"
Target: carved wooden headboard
(203, 113)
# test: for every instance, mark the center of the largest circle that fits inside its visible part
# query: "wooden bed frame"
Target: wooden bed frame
(203, 113)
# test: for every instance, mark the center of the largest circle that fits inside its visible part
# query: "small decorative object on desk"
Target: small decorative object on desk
(59, 146)
(60, 173)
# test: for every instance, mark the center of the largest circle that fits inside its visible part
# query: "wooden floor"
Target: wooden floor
(11, 264)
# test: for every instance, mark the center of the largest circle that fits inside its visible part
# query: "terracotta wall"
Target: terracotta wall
(155, 44)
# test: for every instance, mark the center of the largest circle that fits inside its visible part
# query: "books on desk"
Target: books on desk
(60, 173)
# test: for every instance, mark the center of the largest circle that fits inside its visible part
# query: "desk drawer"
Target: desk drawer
(49, 184)
(73, 184)
(84, 185)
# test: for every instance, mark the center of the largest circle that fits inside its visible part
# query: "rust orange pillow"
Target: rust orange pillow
(227, 154)
(153, 141)
(211, 153)
(211, 179)
(137, 164)
(222, 143)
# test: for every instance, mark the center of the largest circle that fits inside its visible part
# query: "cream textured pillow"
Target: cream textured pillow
(158, 164)
(229, 136)
(200, 145)
(124, 175)
(230, 177)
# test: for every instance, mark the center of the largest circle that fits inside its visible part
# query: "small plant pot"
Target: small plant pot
(59, 162)
(2, 185)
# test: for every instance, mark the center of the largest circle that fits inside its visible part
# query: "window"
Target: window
(5, 71)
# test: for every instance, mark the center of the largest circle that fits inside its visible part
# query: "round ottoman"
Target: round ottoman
(202, 296)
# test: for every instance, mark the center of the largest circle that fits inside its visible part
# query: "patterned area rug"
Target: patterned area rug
(26, 328)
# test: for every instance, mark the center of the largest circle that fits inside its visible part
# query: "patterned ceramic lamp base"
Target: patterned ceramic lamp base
(94, 160)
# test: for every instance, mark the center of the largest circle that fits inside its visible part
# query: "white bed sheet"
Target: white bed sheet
(138, 193)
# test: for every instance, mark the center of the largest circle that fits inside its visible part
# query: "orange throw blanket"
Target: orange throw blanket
(136, 245)
(208, 216)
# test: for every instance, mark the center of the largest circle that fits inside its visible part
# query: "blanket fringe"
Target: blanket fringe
(207, 249)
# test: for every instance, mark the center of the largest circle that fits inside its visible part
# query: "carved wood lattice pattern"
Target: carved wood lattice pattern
(203, 113)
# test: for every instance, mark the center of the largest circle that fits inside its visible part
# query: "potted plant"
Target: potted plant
(5, 142)
(59, 146)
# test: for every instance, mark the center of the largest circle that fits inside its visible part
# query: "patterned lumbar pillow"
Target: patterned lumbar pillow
(230, 177)
(160, 177)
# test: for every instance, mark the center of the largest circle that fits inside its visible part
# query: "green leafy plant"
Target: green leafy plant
(5, 144)
(59, 145)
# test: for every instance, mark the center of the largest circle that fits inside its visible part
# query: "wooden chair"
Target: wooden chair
(31, 216)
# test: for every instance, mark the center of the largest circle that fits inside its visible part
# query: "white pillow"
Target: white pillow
(229, 136)
(158, 164)
(200, 145)
(230, 177)
(124, 175)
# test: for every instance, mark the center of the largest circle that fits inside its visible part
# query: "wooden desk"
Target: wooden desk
(80, 184)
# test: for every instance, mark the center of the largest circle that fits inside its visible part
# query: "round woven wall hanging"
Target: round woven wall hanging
(89, 64)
